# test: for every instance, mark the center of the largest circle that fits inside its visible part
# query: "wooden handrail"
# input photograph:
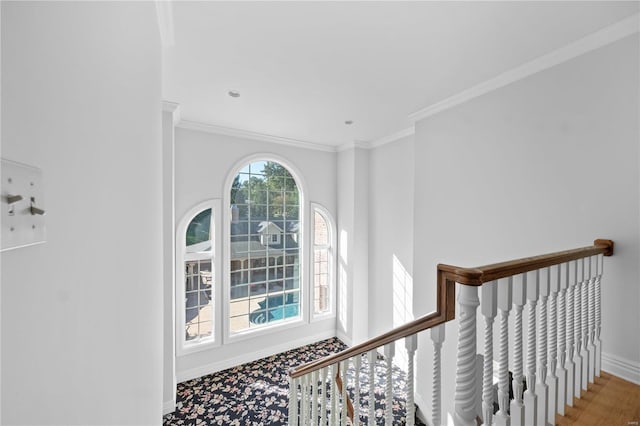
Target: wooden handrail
(447, 276)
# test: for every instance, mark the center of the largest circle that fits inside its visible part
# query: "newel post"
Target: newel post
(466, 386)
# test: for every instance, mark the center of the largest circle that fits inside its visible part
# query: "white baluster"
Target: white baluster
(335, 416)
(373, 355)
(344, 366)
(293, 401)
(504, 306)
(577, 360)
(530, 396)
(323, 387)
(584, 352)
(356, 398)
(571, 367)
(437, 336)
(314, 397)
(552, 379)
(519, 299)
(561, 371)
(411, 344)
(591, 293)
(542, 390)
(488, 307)
(389, 352)
(600, 266)
(465, 396)
(304, 400)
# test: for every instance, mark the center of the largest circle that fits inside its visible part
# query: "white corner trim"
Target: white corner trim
(621, 367)
(169, 406)
(409, 131)
(211, 368)
(606, 35)
(246, 134)
(164, 10)
(172, 108)
(344, 338)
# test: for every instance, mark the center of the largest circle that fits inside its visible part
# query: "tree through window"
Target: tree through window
(264, 246)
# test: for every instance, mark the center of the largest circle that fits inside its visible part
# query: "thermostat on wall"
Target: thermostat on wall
(23, 212)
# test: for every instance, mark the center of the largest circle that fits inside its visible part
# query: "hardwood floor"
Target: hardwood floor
(610, 401)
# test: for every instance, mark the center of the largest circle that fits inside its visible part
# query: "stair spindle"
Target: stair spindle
(584, 352)
(552, 379)
(561, 371)
(411, 345)
(577, 360)
(314, 397)
(323, 404)
(334, 394)
(519, 299)
(488, 308)
(542, 390)
(504, 306)
(293, 401)
(389, 353)
(356, 397)
(600, 266)
(530, 397)
(465, 396)
(437, 336)
(591, 291)
(373, 355)
(344, 366)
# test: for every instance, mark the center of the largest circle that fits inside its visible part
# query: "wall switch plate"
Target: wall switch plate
(22, 204)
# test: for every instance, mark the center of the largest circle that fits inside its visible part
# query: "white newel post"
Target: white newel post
(465, 396)
(504, 306)
(584, 352)
(411, 344)
(577, 329)
(571, 368)
(600, 264)
(372, 355)
(519, 299)
(437, 336)
(389, 353)
(530, 397)
(561, 372)
(552, 379)
(542, 390)
(591, 292)
(488, 308)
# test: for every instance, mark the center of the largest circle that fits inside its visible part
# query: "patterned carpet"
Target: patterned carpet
(256, 393)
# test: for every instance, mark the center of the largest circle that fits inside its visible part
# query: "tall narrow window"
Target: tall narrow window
(196, 277)
(264, 252)
(323, 263)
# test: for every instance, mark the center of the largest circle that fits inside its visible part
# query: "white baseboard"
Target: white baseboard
(345, 339)
(214, 367)
(168, 407)
(621, 367)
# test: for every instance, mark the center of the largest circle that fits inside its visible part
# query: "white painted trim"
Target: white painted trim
(333, 245)
(251, 356)
(409, 131)
(621, 367)
(417, 399)
(246, 134)
(168, 406)
(164, 11)
(353, 145)
(607, 35)
(344, 338)
(173, 108)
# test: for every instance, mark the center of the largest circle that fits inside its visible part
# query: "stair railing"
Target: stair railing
(561, 293)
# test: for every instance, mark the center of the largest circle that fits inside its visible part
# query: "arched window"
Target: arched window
(196, 277)
(323, 261)
(264, 247)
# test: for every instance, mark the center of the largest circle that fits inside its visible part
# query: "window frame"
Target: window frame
(331, 246)
(184, 347)
(304, 317)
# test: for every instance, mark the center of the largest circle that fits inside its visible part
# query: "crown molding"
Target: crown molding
(606, 35)
(353, 145)
(409, 131)
(164, 11)
(246, 134)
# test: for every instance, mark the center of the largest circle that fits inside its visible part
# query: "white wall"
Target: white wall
(81, 314)
(544, 164)
(203, 163)
(390, 232)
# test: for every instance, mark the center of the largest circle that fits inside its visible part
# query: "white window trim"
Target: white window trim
(182, 347)
(304, 317)
(332, 262)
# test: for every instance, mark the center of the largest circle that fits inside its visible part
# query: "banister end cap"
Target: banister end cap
(607, 243)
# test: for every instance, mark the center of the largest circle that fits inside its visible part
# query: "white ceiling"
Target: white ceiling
(303, 68)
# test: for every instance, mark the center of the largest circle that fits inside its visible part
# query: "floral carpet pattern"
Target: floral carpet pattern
(256, 393)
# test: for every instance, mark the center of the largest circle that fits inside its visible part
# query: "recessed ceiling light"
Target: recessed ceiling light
(348, 122)
(234, 93)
